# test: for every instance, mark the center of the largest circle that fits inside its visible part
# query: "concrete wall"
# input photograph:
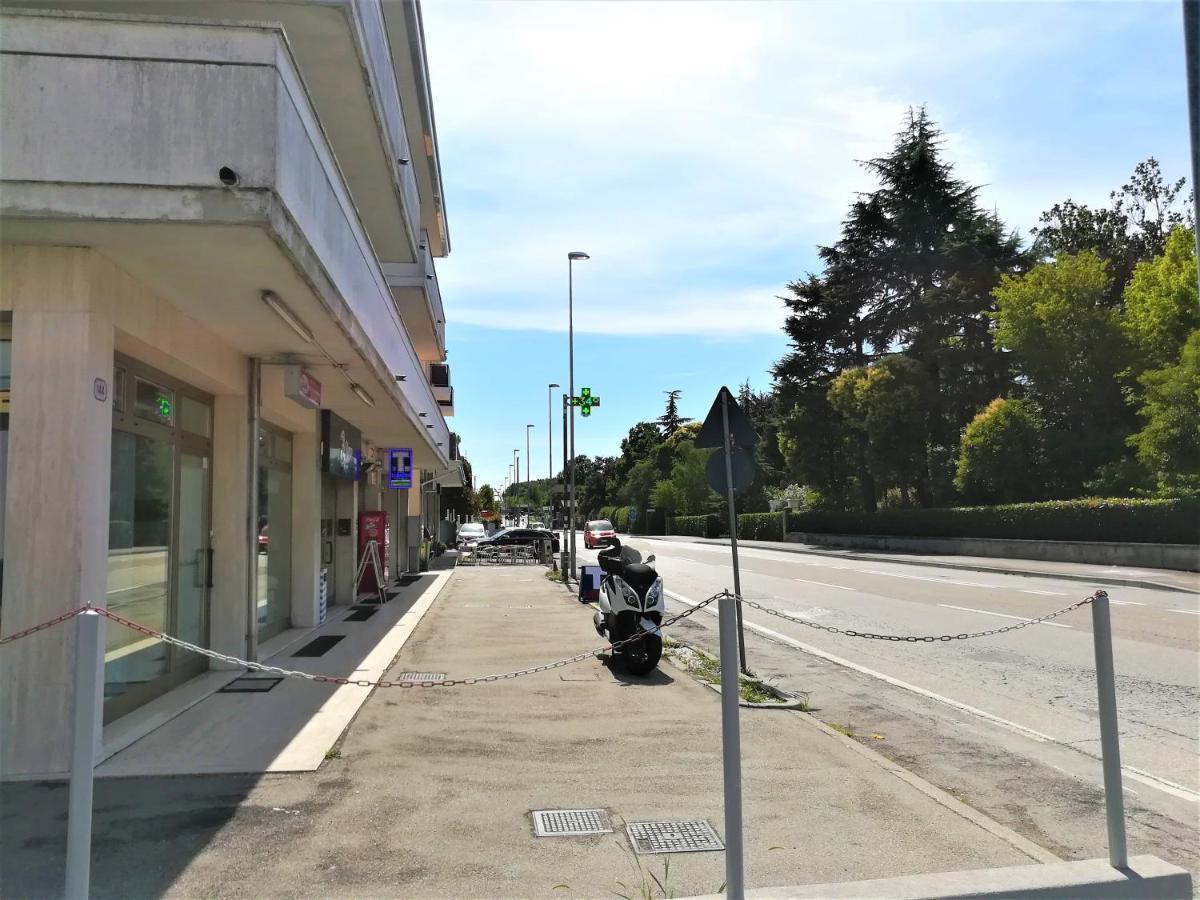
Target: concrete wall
(1185, 557)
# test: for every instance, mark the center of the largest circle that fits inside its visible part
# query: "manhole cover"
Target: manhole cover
(422, 676)
(568, 822)
(673, 837)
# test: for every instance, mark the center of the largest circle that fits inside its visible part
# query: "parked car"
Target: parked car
(529, 537)
(599, 533)
(469, 533)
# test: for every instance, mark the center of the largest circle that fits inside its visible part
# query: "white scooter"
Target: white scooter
(631, 606)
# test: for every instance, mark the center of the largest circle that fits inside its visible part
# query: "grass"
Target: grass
(333, 753)
(847, 730)
(707, 668)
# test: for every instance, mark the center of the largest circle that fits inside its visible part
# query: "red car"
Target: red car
(599, 533)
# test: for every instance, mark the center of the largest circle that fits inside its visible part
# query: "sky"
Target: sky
(701, 151)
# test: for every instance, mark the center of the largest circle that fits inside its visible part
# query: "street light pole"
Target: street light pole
(572, 258)
(528, 467)
(550, 429)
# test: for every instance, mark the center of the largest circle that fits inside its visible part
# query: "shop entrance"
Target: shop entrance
(159, 534)
(328, 533)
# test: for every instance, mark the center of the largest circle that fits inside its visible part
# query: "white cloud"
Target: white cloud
(698, 151)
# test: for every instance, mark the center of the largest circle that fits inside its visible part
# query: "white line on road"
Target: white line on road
(1190, 612)
(1124, 602)
(1044, 593)
(840, 587)
(1168, 787)
(935, 580)
(988, 612)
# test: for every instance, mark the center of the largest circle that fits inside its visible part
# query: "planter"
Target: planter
(777, 505)
(795, 504)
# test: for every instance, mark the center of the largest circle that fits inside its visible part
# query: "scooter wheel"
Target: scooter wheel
(640, 657)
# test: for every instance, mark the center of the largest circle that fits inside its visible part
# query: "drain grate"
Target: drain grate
(249, 685)
(422, 676)
(673, 837)
(361, 613)
(570, 822)
(319, 646)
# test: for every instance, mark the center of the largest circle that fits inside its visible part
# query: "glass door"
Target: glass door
(193, 572)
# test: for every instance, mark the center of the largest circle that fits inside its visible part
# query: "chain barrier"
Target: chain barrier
(915, 639)
(334, 679)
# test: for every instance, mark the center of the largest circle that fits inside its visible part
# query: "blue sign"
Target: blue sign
(400, 468)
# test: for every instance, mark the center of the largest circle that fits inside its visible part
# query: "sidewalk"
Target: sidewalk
(430, 790)
(1162, 579)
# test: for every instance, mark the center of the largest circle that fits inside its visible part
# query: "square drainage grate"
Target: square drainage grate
(319, 646)
(422, 676)
(361, 613)
(249, 685)
(570, 822)
(673, 837)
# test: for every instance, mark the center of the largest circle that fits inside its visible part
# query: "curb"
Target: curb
(965, 567)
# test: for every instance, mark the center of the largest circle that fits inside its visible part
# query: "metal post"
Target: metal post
(566, 500)
(737, 575)
(1191, 56)
(528, 468)
(731, 752)
(550, 430)
(85, 731)
(1110, 747)
(571, 393)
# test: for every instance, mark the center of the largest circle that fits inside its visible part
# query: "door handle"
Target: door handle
(208, 582)
(197, 575)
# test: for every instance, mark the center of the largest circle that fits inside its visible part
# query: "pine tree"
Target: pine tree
(670, 420)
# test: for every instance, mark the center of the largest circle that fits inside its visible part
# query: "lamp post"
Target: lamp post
(550, 429)
(528, 466)
(517, 483)
(573, 257)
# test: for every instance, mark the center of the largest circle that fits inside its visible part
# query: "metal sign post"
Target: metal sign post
(737, 574)
(731, 751)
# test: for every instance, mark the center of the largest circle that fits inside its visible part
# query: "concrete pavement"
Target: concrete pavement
(429, 792)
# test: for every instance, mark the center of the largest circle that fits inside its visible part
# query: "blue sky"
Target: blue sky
(700, 151)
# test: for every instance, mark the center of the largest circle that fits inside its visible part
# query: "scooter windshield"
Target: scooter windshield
(635, 552)
(629, 555)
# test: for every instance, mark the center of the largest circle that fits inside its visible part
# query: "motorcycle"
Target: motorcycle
(631, 606)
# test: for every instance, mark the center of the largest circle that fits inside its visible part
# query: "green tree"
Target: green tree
(639, 484)
(1162, 303)
(1001, 454)
(1134, 227)
(1068, 347)
(670, 421)
(819, 450)
(887, 405)
(485, 498)
(686, 492)
(641, 443)
(1169, 442)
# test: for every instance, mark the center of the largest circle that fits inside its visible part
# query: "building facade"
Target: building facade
(220, 331)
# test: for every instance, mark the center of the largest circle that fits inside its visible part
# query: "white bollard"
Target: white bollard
(85, 730)
(731, 750)
(1110, 746)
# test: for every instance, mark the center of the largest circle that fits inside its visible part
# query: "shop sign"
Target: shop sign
(300, 385)
(339, 446)
(400, 460)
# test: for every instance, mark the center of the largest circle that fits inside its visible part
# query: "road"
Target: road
(1007, 722)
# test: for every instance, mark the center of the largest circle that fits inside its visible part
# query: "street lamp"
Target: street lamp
(528, 466)
(573, 257)
(550, 429)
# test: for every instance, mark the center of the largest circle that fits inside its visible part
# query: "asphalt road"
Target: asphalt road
(1008, 721)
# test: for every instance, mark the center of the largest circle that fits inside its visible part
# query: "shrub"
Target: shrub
(1001, 453)
(695, 526)
(1163, 521)
(760, 526)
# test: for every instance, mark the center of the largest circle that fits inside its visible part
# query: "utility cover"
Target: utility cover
(570, 822)
(712, 431)
(691, 835)
(743, 471)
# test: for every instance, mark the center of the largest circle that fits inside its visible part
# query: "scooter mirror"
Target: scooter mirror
(650, 559)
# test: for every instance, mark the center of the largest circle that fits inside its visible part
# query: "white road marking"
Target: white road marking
(935, 580)
(988, 612)
(840, 587)
(1124, 602)
(1045, 593)
(1168, 787)
(1190, 612)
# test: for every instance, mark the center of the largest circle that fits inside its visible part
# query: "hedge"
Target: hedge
(1160, 521)
(694, 526)
(766, 526)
